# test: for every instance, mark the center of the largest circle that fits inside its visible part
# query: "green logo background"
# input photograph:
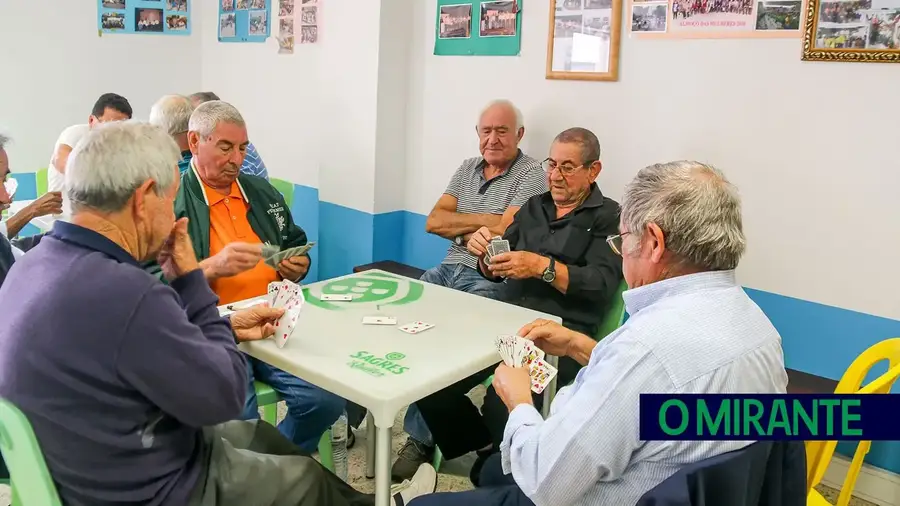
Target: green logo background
(370, 287)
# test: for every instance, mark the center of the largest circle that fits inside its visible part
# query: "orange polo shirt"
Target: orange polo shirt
(228, 223)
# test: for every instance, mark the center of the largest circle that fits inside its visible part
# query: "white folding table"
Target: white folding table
(380, 367)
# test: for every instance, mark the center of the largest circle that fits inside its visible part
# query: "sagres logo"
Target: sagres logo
(374, 365)
(368, 287)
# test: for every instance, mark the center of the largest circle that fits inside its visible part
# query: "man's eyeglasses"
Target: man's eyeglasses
(615, 242)
(565, 169)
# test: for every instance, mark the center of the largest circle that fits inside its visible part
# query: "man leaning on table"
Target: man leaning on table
(231, 214)
(559, 264)
(691, 329)
(130, 383)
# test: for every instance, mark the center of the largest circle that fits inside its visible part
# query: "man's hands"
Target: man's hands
(478, 242)
(513, 385)
(177, 258)
(518, 265)
(48, 203)
(235, 258)
(255, 323)
(557, 340)
(294, 268)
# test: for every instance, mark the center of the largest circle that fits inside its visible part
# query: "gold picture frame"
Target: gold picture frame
(848, 35)
(584, 39)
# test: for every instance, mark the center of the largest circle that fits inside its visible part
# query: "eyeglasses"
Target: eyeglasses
(566, 170)
(615, 242)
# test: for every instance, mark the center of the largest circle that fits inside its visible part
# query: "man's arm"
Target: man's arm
(26, 243)
(60, 157)
(447, 223)
(596, 430)
(253, 163)
(182, 354)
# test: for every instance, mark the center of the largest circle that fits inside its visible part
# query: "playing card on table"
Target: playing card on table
(416, 327)
(541, 374)
(379, 320)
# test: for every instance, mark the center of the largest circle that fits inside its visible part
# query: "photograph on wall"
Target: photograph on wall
(853, 30)
(169, 17)
(310, 15)
(455, 21)
(478, 28)
(649, 17)
(285, 27)
(245, 20)
(778, 15)
(584, 40)
(712, 15)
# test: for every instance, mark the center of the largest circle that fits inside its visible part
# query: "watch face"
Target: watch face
(549, 276)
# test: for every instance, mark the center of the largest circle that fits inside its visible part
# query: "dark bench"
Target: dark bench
(392, 267)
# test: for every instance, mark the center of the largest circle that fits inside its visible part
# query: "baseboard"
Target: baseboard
(873, 484)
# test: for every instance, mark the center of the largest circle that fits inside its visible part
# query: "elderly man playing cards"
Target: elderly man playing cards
(692, 330)
(238, 223)
(132, 385)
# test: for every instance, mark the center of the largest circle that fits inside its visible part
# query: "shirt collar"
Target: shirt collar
(88, 239)
(595, 199)
(479, 167)
(642, 297)
(234, 193)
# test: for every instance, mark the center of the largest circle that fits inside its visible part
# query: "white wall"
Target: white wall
(53, 66)
(813, 147)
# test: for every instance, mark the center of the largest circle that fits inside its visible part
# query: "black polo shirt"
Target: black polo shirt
(577, 240)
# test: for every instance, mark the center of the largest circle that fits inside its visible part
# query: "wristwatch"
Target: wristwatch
(549, 274)
(458, 240)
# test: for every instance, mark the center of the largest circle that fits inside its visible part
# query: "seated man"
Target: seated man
(109, 107)
(692, 330)
(172, 113)
(231, 214)
(12, 249)
(559, 264)
(127, 377)
(253, 163)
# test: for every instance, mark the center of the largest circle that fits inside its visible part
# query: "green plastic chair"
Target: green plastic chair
(613, 320)
(31, 482)
(286, 188)
(267, 399)
(40, 180)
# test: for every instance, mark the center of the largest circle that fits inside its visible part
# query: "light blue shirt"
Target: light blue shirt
(698, 333)
(253, 163)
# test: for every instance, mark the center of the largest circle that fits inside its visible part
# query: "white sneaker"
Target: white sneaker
(424, 482)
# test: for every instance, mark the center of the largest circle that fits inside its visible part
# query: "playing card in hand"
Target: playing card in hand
(279, 256)
(520, 352)
(499, 246)
(287, 295)
(541, 374)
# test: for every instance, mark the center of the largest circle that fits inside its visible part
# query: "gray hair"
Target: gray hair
(204, 96)
(4, 140)
(520, 120)
(114, 159)
(590, 145)
(695, 206)
(209, 114)
(172, 113)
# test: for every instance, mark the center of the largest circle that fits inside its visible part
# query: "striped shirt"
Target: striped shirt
(698, 333)
(476, 195)
(253, 163)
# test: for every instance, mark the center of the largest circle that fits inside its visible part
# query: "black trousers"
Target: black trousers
(497, 489)
(457, 426)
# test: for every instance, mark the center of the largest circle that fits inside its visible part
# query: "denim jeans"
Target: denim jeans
(311, 410)
(465, 279)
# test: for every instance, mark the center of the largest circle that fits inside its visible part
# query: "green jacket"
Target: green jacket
(268, 214)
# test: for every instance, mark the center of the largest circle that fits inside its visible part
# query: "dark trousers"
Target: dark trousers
(496, 489)
(457, 426)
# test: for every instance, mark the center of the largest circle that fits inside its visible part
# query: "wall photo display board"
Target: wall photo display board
(852, 30)
(245, 20)
(716, 19)
(478, 28)
(584, 38)
(167, 17)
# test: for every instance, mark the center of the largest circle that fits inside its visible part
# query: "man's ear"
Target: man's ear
(520, 133)
(657, 242)
(193, 139)
(139, 200)
(595, 170)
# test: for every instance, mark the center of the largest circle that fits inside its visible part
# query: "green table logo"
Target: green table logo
(374, 365)
(369, 287)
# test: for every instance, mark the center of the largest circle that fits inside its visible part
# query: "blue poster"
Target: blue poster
(169, 17)
(245, 20)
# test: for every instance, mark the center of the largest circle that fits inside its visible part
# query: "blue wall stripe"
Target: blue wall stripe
(27, 189)
(345, 239)
(305, 210)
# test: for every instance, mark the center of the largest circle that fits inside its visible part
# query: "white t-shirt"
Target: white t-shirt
(56, 180)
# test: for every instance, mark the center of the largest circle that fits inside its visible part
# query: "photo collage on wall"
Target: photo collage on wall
(167, 17)
(858, 24)
(310, 20)
(581, 35)
(244, 20)
(727, 18)
(473, 27)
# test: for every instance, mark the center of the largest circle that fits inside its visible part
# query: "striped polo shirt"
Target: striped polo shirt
(476, 195)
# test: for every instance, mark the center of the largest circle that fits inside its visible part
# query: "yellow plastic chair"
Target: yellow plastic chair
(819, 453)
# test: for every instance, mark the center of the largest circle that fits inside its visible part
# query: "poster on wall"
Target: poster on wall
(167, 17)
(244, 20)
(854, 30)
(583, 40)
(717, 18)
(310, 20)
(478, 28)
(285, 27)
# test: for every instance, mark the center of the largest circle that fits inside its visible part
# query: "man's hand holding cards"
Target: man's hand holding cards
(289, 296)
(520, 352)
(291, 263)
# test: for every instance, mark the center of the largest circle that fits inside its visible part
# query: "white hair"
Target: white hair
(698, 210)
(4, 140)
(209, 114)
(172, 113)
(520, 120)
(114, 159)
